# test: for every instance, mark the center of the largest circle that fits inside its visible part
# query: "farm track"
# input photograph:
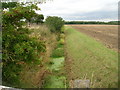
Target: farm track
(107, 34)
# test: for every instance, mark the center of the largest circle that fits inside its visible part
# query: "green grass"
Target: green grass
(91, 60)
(56, 79)
(58, 52)
(53, 81)
(57, 63)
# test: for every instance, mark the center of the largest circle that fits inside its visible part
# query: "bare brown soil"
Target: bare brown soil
(107, 34)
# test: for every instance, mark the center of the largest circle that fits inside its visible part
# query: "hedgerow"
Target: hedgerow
(18, 48)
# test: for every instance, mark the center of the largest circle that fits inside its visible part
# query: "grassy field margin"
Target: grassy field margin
(89, 59)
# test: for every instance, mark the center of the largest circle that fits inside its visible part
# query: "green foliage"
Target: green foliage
(38, 19)
(54, 23)
(18, 47)
(9, 5)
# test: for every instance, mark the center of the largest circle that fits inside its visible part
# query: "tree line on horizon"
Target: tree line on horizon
(93, 22)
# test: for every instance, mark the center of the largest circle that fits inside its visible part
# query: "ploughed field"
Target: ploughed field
(107, 34)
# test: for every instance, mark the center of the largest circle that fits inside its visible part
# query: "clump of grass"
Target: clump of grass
(59, 52)
(61, 41)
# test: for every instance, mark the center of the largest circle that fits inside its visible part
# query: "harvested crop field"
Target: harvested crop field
(107, 34)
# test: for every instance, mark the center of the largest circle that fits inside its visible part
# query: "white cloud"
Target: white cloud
(70, 9)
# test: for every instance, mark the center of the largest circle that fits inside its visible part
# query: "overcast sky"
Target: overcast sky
(100, 10)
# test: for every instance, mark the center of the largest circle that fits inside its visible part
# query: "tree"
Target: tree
(54, 23)
(38, 19)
